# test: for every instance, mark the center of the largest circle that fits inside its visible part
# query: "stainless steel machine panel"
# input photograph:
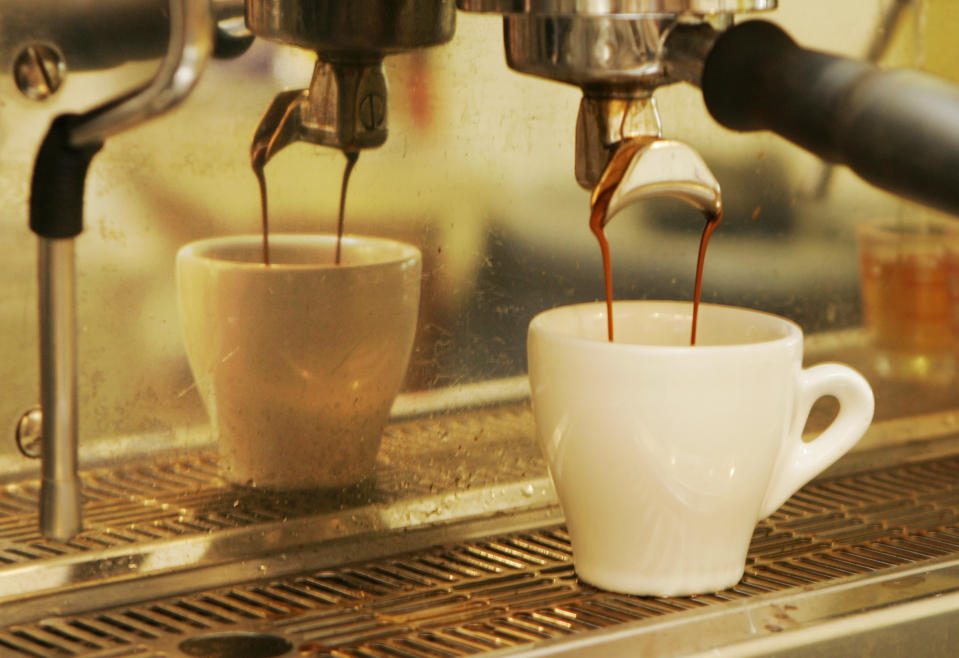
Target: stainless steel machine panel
(457, 546)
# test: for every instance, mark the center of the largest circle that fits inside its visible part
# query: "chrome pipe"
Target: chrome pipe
(191, 43)
(60, 516)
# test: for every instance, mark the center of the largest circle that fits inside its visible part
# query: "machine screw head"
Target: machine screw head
(39, 71)
(29, 433)
(372, 111)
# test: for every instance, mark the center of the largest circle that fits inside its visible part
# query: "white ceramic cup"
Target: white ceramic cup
(665, 456)
(298, 362)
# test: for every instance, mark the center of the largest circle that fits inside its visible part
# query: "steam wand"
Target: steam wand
(56, 216)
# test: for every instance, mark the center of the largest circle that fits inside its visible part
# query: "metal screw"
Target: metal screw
(29, 433)
(372, 111)
(39, 71)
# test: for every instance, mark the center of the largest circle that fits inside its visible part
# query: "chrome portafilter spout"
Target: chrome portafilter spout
(345, 106)
(604, 124)
(635, 163)
(56, 216)
(653, 168)
(614, 50)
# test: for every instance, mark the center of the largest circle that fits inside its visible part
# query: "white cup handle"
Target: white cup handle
(800, 461)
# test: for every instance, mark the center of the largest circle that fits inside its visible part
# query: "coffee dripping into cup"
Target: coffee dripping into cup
(353, 302)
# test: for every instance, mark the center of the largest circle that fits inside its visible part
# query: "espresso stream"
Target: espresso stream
(599, 203)
(259, 163)
(351, 158)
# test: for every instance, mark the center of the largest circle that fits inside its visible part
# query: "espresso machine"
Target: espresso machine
(345, 106)
(126, 541)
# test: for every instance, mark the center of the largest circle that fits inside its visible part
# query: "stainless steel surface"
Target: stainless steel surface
(665, 168)
(280, 126)
(60, 516)
(164, 516)
(346, 89)
(346, 104)
(339, 30)
(836, 559)
(191, 42)
(609, 50)
(479, 179)
(79, 36)
(609, 53)
(603, 124)
(618, 62)
(344, 108)
(623, 7)
(88, 35)
(227, 10)
(613, 58)
(191, 34)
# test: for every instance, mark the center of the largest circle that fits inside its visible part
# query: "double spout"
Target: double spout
(646, 169)
(344, 108)
(346, 104)
(631, 162)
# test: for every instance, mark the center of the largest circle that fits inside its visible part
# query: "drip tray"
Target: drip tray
(178, 563)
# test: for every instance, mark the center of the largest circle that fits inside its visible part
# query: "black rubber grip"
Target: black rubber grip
(59, 177)
(898, 129)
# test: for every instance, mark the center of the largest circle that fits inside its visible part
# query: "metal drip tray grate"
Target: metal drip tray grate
(518, 588)
(174, 497)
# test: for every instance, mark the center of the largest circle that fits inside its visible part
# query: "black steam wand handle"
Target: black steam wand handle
(59, 178)
(897, 129)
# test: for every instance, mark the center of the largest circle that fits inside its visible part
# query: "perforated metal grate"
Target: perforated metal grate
(176, 497)
(520, 588)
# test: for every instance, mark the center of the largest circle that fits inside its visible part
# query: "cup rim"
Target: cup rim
(929, 230)
(199, 250)
(793, 332)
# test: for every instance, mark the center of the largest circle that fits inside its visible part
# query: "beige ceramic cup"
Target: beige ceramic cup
(298, 362)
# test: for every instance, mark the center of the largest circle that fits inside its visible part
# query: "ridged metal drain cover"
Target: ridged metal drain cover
(520, 588)
(173, 497)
